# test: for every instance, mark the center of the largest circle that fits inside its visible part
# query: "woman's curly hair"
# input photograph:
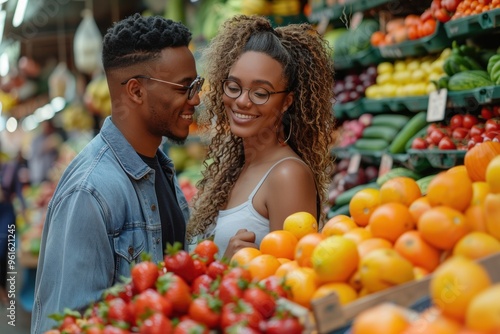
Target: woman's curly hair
(308, 71)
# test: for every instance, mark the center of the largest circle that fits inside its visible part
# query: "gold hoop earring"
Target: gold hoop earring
(287, 138)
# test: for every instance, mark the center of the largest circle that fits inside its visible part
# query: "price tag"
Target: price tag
(356, 20)
(354, 164)
(385, 164)
(437, 105)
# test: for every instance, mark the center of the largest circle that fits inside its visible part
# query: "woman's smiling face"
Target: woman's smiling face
(247, 119)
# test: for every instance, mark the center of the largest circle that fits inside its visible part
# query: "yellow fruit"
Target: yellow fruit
(476, 245)
(384, 318)
(300, 224)
(479, 191)
(344, 292)
(384, 268)
(455, 283)
(243, 256)
(492, 214)
(335, 259)
(483, 313)
(385, 67)
(493, 175)
(362, 205)
(302, 283)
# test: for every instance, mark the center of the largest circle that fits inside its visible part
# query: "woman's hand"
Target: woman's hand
(243, 238)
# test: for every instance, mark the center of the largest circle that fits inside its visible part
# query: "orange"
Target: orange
(384, 268)
(300, 224)
(476, 245)
(493, 175)
(305, 248)
(415, 249)
(390, 220)
(492, 214)
(362, 205)
(483, 313)
(384, 318)
(302, 283)
(479, 192)
(432, 321)
(420, 272)
(283, 260)
(450, 189)
(338, 225)
(418, 207)
(244, 255)
(368, 245)
(284, 268)
(344, 292)
(475, 218)
(400, 189)
(358, 234)
(263, 266)
(335, 259)
(355, 281)
(279, 243)
(442, 227)
(455, 283)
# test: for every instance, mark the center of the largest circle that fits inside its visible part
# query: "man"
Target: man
(119, 197)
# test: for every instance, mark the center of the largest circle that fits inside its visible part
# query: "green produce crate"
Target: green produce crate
(360, 59)
(474, 24)
(348, 110)
(320, 10)
(396, 104)
(474, 97)
(440, 159)
(415, 163)
(434, 43)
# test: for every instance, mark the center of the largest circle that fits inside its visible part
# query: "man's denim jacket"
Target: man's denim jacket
(103, 214)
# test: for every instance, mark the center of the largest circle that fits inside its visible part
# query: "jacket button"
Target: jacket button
(131, 250)
(153, 207)
(157, 240)
(146, 177)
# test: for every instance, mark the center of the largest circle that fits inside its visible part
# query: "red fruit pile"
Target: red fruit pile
(188, 293)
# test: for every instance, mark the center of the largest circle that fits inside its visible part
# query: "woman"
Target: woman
(270, 100)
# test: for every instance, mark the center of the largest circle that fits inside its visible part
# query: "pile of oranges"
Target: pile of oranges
(392, 235)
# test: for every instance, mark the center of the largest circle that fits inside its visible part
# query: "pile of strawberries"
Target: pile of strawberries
(187, 293)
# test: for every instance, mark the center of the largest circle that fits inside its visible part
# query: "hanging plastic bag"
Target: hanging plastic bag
(87, 45)
(62, 83)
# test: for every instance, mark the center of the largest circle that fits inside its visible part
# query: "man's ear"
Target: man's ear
(135, 91)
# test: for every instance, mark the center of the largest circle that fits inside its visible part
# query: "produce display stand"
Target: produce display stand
(473, 25)
(396, 104)
(473, 97)
(359, 59)
(330, 317)
(337, 11)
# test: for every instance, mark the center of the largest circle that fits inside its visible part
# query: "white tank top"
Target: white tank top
(243, 216)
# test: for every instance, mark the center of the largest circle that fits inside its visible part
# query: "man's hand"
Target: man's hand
(243, 238)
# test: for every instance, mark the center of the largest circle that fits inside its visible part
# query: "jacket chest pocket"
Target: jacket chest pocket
(129, 244)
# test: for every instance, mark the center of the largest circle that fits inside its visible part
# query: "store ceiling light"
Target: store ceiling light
(2, 23)
(19, 13)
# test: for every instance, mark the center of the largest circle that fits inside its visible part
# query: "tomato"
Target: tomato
(427, 28)
(206, 249)
(201, 284)
(436, 136)
(496, 139)
(442, 15)
(287, 324)
(492, 125)
(206, 309)
(431, 127)
(231, 289)
(474, 140)
(486, 113)
(456, 121)
(419, 144)
(450, 5)
(469, 121)
(496, 111)
(460, 133)
(261, 300)
(217, 269)
(238, 312)
(426, 15)
(476, 130)
(446, 144)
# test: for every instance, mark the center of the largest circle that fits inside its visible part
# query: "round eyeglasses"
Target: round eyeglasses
(192, 89)
(257, 95)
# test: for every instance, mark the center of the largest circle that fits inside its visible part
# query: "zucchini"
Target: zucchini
(396, 121)
(414, 125)
(365, 144)
(397, 172)
(345, 197)
(468, 80)
(380, 132)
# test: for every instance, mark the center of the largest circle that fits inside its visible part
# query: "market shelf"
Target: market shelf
(440, 159)
(474, 24)
(396, 104)
(474, 97)
(434, 43)
(338, 11)
(349, 110)
(360, 59)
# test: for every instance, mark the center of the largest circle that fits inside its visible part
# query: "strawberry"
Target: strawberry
(176, 290)
(118, 310)
(180, 262)
(144, 275)
(156, 324)
(150, 301)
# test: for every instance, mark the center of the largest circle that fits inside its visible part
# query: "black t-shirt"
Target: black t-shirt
(172, 221)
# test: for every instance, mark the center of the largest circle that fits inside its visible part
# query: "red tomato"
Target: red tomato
(492, 125)
(431, 127)
(496, 139)
(442, 15)
(460, 133)
(476, 130)
(456, 121)
(436, 136)
(427, 28)
(496, 111)
(450, 5)
(486, 113)
(419, 144)
(469, 121)
(446, 144)
(474, 140)
(426, 15)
